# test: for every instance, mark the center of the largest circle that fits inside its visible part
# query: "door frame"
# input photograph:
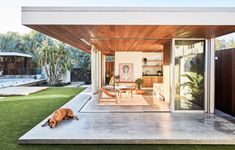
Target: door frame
(172, 77)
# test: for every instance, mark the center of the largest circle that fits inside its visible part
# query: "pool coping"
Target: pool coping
(33, 82)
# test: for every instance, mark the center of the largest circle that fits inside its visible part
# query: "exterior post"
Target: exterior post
(99, 71)
(211, 76)
(103, 69)
(172, 80)
(96, 70)
(93, 69)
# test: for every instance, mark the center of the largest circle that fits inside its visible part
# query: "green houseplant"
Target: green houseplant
(139, 82)
(195, 84)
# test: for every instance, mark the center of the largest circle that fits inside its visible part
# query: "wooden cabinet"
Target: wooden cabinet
(149, 80)
(157, 79)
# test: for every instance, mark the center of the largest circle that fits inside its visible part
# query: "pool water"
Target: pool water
(9, 82)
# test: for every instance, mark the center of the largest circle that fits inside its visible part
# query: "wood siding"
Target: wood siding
(109, 67)
(225, 81)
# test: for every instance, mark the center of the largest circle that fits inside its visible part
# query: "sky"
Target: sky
(10, 10)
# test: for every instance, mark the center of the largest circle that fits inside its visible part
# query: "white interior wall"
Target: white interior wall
(153, 55)
(129, 57)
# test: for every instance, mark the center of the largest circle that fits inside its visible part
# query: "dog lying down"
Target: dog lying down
(60, 115)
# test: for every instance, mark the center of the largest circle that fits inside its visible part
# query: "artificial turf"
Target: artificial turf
(19, 114)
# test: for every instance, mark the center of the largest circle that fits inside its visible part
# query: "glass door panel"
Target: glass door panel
(189, 70)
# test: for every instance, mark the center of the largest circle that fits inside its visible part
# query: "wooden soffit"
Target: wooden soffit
(111, 38)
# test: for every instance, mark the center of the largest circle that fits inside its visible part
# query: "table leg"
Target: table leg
(131, 93)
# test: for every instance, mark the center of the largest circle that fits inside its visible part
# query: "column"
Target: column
(211, 75)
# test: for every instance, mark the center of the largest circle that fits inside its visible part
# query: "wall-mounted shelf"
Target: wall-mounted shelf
(154, 60)
(152, 66)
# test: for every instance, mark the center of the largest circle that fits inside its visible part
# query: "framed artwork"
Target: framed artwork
(126, 72)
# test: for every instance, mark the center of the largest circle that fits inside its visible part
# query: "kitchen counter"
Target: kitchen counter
(152, 75)
(149, 80)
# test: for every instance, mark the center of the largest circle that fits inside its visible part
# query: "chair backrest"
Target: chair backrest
(107, 92)
(111, 81)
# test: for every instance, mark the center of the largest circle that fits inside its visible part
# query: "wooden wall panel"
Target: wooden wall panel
(166, 70)
(109, 67)
(150, 80)
(225, 81)
(167, 53)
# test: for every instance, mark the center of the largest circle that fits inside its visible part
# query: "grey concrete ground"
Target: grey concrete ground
(225, 116)
(20, 90)
(75, 84)
(133, 128)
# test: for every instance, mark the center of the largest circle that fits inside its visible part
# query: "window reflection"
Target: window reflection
(189, 74)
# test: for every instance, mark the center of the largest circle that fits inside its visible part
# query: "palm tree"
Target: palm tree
(31, 42)
(56, 60)
(8, 42)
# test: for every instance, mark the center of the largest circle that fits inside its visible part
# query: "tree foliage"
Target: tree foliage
(224, 44)
(56, 60)
(33, 41)
(46, 51)
(9, 41)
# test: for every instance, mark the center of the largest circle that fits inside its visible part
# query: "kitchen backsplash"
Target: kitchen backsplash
(151, 70)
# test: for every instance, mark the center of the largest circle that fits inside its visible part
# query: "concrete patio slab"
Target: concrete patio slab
(136, 128)
(20, 90)
(79, 101)
(132, 128)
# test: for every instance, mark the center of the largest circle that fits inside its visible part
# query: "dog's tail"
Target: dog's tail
(46, 124)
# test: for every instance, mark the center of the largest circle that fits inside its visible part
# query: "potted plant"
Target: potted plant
(139, 82)
(196, 85)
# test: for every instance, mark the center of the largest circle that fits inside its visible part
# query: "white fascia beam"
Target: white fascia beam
(127, 16)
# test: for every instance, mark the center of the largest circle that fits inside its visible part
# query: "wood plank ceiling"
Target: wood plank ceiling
(111, 38)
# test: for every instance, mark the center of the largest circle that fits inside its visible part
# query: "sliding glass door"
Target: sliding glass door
(189, 74)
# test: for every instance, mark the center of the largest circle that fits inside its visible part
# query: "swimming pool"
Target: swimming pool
(17, 81)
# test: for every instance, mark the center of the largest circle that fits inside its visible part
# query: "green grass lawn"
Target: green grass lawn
(20, 113)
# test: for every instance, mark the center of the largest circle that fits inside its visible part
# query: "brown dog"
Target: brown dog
(60, 115)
